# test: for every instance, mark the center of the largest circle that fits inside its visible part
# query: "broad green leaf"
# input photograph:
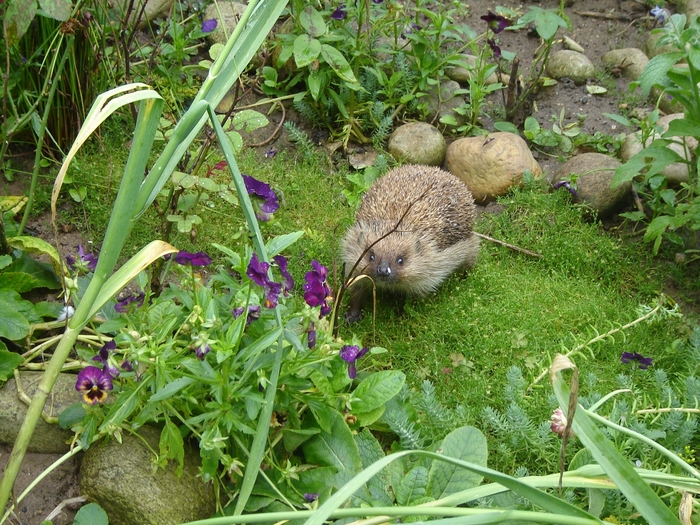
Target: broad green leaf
(18, 16)
(249, 120)
(312, 22)
(279, 243)
(91, 514)
(13, 325)
(507, 127)
(547, 22)
(172, 446)
(336, 60)
(293, 438)
(38, 246)
(656, 156)
(655, 70)
(682, 127)
(71, 415)
(380, 485)
(44, 274)
(414, 485)
(8, 362)
(336, 448)
(20, 282)
(374, 391)
(306, 50)
(365, 419)
(5, 261)
(171, 389)
(466, 443)
(12, 203)
(619, 468)
(57, 9)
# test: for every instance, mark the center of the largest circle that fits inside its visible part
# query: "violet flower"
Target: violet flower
(192, 259)
(350, 354)
(287, 281)
(202, 351)
(94, 384)
(494, 47)
(261, 191)
(258, 272)
(123, 305)
(209, 25)
(84, 263)
(340, 13)
(660, 14)
(496, 23)
(311, 336)
(108, 364)
(310, 497)
(643, 362)
(316, 289)
(565, 184)
(253, 313)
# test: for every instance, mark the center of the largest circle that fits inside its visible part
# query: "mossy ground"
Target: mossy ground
(512, 309)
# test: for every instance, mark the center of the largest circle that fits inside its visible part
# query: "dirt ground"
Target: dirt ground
(598, 26)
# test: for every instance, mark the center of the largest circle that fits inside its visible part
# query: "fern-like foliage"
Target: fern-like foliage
(308, 113)
(300, 138)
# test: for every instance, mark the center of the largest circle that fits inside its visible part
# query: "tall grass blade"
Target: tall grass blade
(616, 466)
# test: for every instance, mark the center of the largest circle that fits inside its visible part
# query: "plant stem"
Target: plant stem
(41, 134)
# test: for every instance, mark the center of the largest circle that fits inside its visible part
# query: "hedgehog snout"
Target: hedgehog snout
(384, 270)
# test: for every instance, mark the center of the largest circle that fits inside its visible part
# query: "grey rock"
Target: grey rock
(154, 9)
(631, 60)
(443, 100)
(463, 73)
(123, 480)
(570, 64)
(48, 437)
(230, 14)
(490, 165)
(690, 8)
(675, 173)
(594, 172)
(417, 143)
(650, 46)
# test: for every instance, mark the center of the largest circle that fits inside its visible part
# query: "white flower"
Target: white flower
(66, 313)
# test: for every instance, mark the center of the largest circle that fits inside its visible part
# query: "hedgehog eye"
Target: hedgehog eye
(371, 256)
(399, 260)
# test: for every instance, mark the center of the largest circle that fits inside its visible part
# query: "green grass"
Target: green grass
(512, 309)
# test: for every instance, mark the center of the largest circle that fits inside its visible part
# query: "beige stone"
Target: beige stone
(676, 172)
(490, 165)
(417, 143)
(631, 60)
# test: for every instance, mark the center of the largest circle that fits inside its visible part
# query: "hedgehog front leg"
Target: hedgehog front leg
(358, 292)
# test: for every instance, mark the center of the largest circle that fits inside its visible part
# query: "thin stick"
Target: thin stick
(600, 338)
(511, 246)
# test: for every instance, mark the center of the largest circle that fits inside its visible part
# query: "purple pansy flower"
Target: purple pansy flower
(209, 25)
(262, 192)
(253, 313)
(340, 13)
(644, 362)
(94, 384)
(565, 184)
(123, 305)
(287, 281)
(350, 354)
(202, 351)
(496, 23)
(316, 289)
(494, 47)
(85, 262)
(108, 364)
(192, 259)
(257, 272)
(127, 366)
(310, 497)
(660, 14)
(271, 152)
(311, 336)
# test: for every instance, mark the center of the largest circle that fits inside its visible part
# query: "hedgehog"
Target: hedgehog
(413, 230)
